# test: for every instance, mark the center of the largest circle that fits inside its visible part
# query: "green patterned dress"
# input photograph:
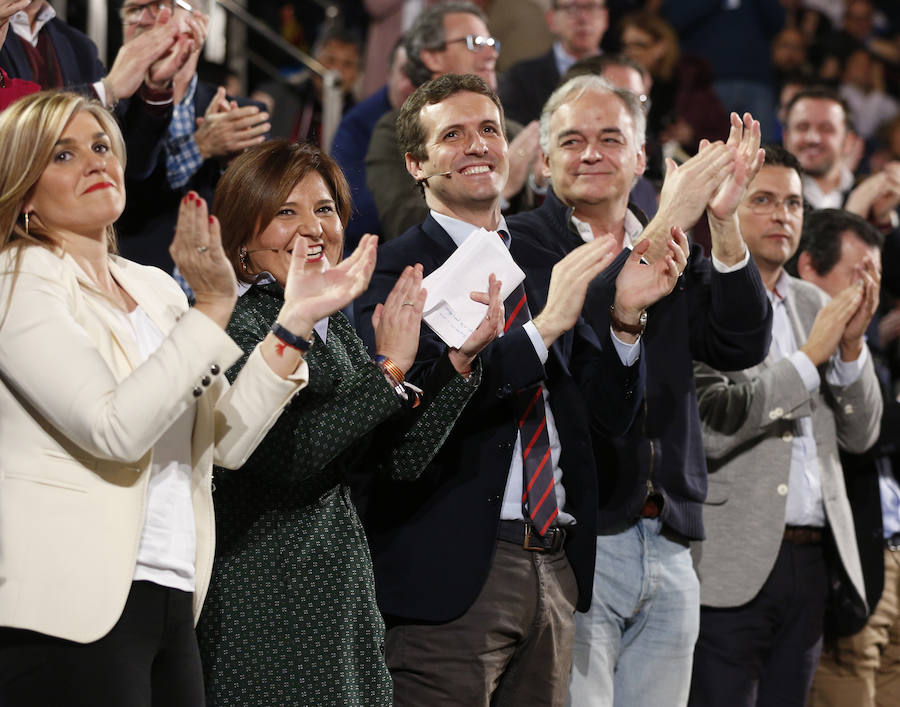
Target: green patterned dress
(290, 617)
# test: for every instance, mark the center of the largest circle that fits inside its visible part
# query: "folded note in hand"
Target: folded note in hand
(449, 310)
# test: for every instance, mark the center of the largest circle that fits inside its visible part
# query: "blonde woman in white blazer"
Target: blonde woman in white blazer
(113, 409)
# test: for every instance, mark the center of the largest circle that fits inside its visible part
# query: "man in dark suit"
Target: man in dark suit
(579, 26)
(477, 586)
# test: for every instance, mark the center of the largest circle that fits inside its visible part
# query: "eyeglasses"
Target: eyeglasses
(764, 204)
(131, 14)
(477, 42)
(576, 7)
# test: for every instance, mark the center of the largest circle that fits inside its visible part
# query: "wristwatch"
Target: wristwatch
(619, 325)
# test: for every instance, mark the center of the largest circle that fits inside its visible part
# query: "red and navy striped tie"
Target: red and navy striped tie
(539, 495)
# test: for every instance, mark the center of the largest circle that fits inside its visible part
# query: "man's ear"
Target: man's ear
(433, 60)
(545, 163)
(414, 167)
(641, 161)
(805, 268)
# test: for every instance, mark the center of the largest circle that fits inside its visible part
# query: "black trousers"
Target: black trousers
(148, 659)
(764, 653)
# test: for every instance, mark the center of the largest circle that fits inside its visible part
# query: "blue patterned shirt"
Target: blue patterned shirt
(183, 156)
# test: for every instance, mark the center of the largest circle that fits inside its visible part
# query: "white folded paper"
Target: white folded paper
(449, 310)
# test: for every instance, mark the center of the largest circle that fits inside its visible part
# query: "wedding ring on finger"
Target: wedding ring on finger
(202, 248)
(408, 304)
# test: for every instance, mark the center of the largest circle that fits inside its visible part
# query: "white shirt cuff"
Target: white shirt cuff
(100, 90)
(843, 373)
(628, 353)
(536, 340)
(722, 268)
(806, 369)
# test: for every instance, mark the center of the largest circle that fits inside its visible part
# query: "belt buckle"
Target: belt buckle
(526, 544)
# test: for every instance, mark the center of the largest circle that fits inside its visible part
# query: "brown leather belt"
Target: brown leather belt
(803, 535)
(524, 534)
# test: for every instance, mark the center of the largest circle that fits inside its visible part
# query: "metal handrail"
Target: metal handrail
(332, 93)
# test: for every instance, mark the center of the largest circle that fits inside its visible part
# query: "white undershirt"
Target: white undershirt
(166, 553)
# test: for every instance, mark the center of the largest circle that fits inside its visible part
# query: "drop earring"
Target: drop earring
(242, 254)
(26, 224)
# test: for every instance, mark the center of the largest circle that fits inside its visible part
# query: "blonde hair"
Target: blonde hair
(29, 131)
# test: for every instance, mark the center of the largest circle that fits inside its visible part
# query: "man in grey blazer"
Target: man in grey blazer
(776, 491)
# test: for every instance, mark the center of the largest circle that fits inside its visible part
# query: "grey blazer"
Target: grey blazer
(748, 421)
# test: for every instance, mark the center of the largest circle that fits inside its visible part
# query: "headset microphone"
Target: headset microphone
(424, 180)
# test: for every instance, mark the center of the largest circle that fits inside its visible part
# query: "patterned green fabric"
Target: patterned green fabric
(290, 617)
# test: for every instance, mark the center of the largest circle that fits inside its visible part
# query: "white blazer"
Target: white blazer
(78, 420)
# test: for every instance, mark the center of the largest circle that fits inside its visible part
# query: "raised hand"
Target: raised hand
(744, 137)
(197, 251)
(640, 285)
(134, 58)
(687, 189)
(398, 320)
(487, 330)
(313, 291)
(877, 195)
(852, 340)
(685, 194)
(568, 287)
(8, 8)
(831, 322)
(195, 25)
(230, 131)
(161, 73)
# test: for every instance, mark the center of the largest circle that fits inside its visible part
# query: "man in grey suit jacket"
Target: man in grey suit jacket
(771, 435)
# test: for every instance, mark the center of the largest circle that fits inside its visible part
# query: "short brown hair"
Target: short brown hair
(410, 132)
(259, 181)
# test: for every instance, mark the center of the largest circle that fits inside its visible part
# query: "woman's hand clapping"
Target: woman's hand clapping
(197, 251)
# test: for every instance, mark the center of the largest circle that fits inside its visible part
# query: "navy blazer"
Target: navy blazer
(526, 86)
(433, 541)
(349, 148)
(76, 53)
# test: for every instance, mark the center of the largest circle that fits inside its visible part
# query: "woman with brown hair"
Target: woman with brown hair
(291, 616)
(113, 408)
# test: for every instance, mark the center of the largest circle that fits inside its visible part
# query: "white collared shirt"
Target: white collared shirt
(22, 27)
(834, 199)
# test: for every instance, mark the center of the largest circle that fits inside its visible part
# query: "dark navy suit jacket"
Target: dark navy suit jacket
(433, 541)
(349, 148)
(526, 86)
